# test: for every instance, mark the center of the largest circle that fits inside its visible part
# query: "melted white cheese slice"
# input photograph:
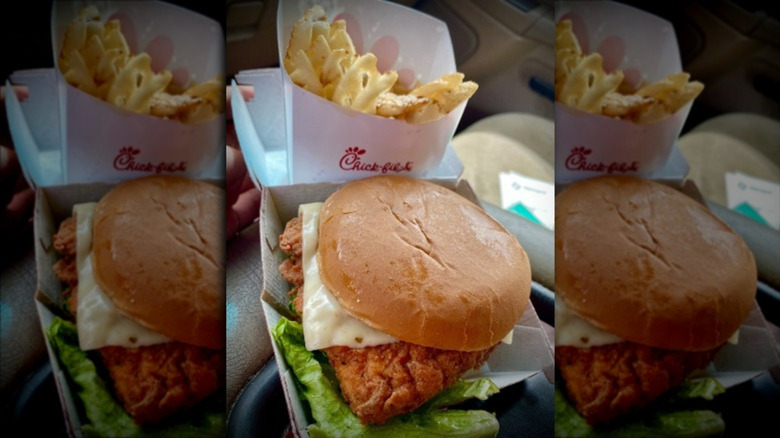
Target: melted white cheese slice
(508, 338)
(325, 322)
(573, 331)
(99, 321)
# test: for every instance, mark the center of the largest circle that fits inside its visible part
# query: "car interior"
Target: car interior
(505, 142)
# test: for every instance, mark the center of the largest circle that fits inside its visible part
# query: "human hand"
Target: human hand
(16, 197)
(242, 197)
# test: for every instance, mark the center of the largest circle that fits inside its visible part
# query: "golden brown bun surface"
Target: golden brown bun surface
(158, 252)
(422, 264)
(651, 265)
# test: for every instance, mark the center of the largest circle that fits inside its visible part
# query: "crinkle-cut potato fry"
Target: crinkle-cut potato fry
(397, 106)
(587, 84)
(567, 53)
(669, 95)
(582, 83)
(136, 83)
(362, 83)
(321, 58)
(624, 106)
(95, 58)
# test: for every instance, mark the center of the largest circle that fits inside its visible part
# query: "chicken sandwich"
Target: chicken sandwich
(144, 272)
(404, 286)
(649, 286)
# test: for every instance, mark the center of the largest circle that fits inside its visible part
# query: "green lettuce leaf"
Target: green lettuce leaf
(334, 418)
(662, 420)
(461, 391)
(706, 388)
(107, 417)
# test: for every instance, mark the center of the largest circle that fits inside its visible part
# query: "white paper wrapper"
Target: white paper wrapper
(529, 353)
(645, 48)
(327, 142)
(101, 142)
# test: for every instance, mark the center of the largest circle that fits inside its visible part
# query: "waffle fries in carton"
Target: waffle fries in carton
(621, 96)
(139, 90)
(370, 87)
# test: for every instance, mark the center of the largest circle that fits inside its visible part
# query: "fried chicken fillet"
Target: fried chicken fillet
(608, 381)
(65, 268)
(382, 381)
(152, 382)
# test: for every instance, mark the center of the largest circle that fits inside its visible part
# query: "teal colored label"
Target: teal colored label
(747, 210)
(524, 212)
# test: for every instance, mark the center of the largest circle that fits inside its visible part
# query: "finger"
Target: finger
(248, 183)
(231, 138)
(247, 92)
(21, 92)
(17, 212)
(243, 213)
(9, 174)
(235, 174)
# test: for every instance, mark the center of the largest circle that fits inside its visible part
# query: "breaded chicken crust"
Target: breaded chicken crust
(292, 270)
(65, 239)
(383, 381)
(65, 244)
(156, 381)
(65, 268)
(291, 240)
(608, 381)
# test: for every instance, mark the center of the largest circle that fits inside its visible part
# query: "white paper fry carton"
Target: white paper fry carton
(529, 353)
(327, 142)
(588, 145)
(102, 142)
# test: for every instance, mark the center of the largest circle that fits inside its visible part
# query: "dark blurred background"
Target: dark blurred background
(25, 32)
(733, 47)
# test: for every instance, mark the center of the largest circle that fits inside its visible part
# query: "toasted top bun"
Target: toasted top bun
(422, 264)
(158, 254)
(651, 265)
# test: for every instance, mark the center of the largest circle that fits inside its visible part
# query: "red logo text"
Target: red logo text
(351, 161)
(126, 160)
(578, 160)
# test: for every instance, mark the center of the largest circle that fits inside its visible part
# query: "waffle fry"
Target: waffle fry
(587, 84)
(321, 58)
(96, 59)
(582, 83)
(361, 84)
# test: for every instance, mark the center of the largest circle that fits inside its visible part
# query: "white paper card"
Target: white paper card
(528, 197)
(756, 198)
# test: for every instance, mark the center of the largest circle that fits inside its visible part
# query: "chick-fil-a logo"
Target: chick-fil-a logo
(126, 160)
(351, 161)
(578, 160)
